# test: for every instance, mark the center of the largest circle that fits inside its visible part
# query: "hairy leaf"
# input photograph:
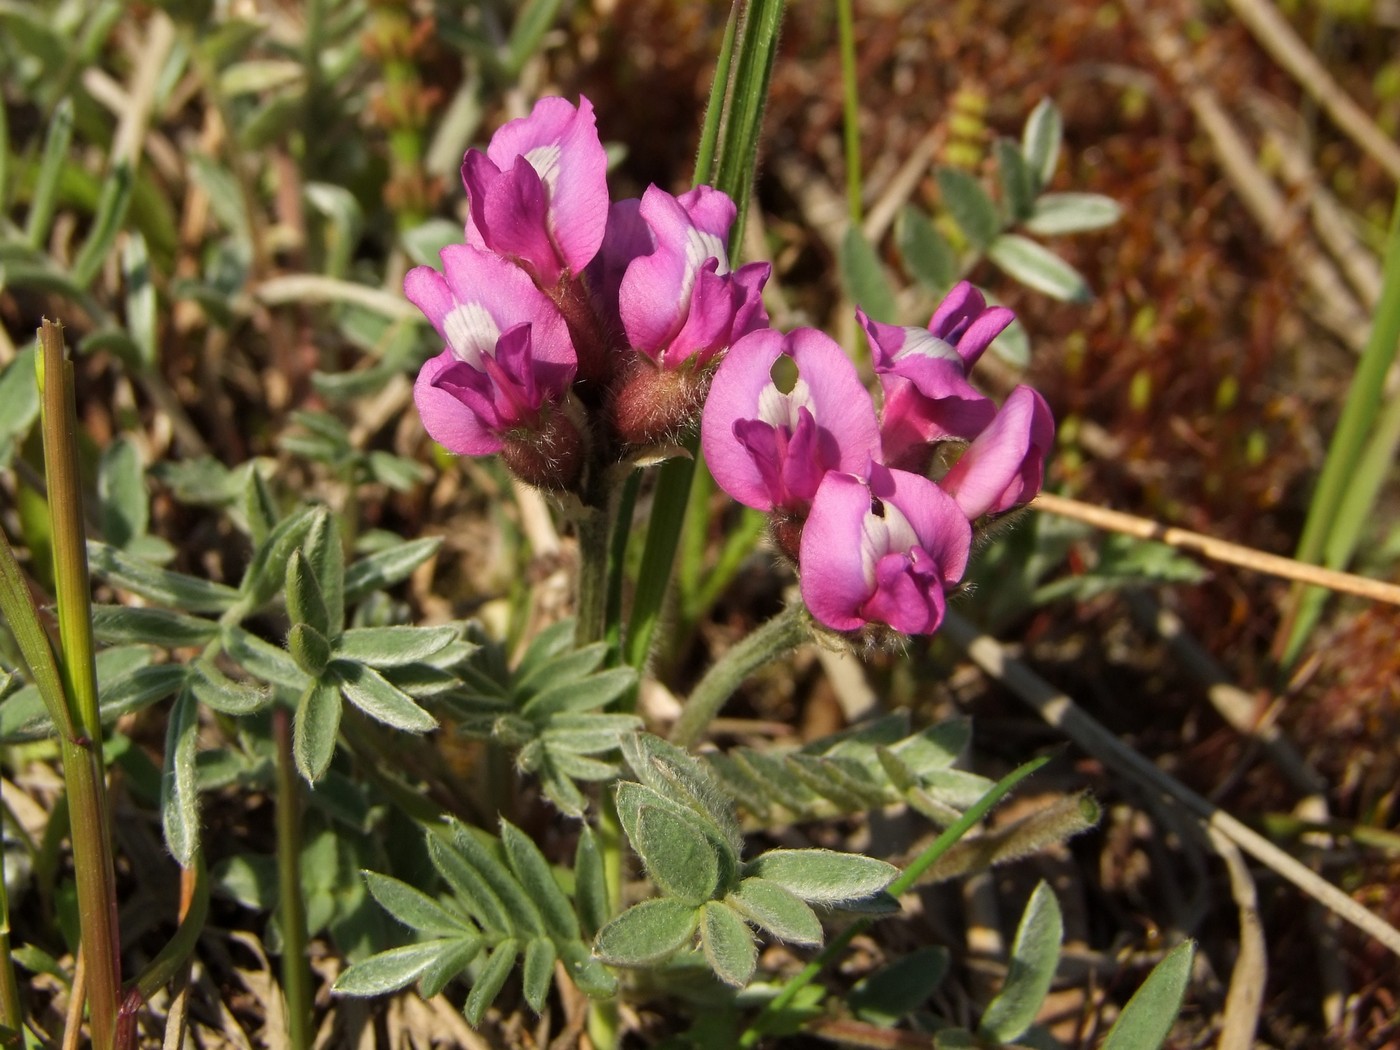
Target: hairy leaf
(823, 876)
(647, 933)
(389, 971)
(368, 690)
(1147, 1020)
(728, 944)
(1035, 954)
(777, 910)
(316, 725)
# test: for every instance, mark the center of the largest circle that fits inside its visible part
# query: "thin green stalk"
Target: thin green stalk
(778, 636)
(1325, 512)
(11, 1013)
(617, 558)
(850, 102)
(82, 754)
(296, 972)
(714, 109)
(906, 881)
(738, 153)
(594, 545)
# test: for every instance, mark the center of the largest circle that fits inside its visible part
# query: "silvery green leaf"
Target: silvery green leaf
(387, 567)
(537, 972)
(562, 791)
(936, 747)
(592, 977)
(1035, 954)
(859, 739)
(523, 914)
(326, 558)
(589, 734)
(179, 787)
(189, 593)
(397, 472)
(580, 767)
(107, 222)
(571, 666)
(1147, 1020)
(1018, 183)
(392, 646)
(266, 574)
(677, 854)
(412, 907)
(422, 680)
(590, 885)
(216, 690)
(389, 971)
(1040, 141)
(823, 876)
(777, 910)
(554, 641)
(309, 648)
(780, 784)
(647, 933)
(1059, 213)
(264, 660)
(588, 694)
(863, 276)
(728, 944)
(897, 990)
(257, 504)
(847, 787)
(141, 688)
(121, 492)
(471, 890)
(632, 797)
(1037, 267)
(970, 207)
(368, 690)
(927, 255)
(489, 980)
(316, 725)
(531, 868)
(150, 626)
(305, 604)
(679, 776)
(449, 964)
(425, 242)
(954, 787)
(248, 878)
(140, 296)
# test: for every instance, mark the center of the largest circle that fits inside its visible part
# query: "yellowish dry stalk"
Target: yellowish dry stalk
(1217, 549)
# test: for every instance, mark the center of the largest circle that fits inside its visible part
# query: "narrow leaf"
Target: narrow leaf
(1040, 141)
(309, 648)
(590, 882)
(538, 971)
(678, 855)
(1057, 213)
(179, 787)
(305, 603)
(387, 567)
(900, 988)
(216, 690)
(412, 907)
(863, 276)
(531, 868)
(144, 625)
(823, 876)
(107, 222)
(595, 691)
(317, 723)
(926, 253)
(392, 646)
(188, 593)
(1034, 956)
(1018, 183)
(728, 944)
(777, 910)
(489, 981)
(1147, 1020)
(368, 690)
(389, 971)
(1037, 267)
(647, 933)
(475, 896)
(970, 207)
(326, 558)
(121, 490)
(263, 660)
(523, 915)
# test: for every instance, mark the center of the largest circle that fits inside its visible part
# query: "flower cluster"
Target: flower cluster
(790, 429)
(582, 333)
(578, 331)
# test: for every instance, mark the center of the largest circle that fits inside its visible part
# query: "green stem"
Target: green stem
(617, 559)
(603, 1024)
(850, 100)
(714, 110)
(296, 973)
(901, 885)
(11, 1013)
(594, 542)
(778, 636)
(82, 754)
(1339, 470)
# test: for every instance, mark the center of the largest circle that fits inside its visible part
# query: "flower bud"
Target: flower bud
(652, 405)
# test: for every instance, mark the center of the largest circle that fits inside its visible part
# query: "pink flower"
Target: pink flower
(769, 444)
(539, 194)
(882, 551)
(508, 352)
(678, 301)
(923, 372)
(1005, 464)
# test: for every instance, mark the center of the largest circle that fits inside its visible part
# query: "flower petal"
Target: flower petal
(446, 419)
(835, 582)
(1005, 465)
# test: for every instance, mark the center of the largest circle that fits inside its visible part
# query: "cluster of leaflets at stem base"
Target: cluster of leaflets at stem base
(505, 906)
(549, 710)
(682, 825)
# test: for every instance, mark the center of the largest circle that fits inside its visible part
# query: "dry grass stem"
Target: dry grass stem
(1060, 711)
(1218, 550)
(1251, 970)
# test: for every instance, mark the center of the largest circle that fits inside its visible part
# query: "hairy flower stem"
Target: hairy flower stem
(81, 751)
(296, 974)
(774, 639)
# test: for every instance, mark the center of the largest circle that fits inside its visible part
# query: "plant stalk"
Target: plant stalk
(776, 638)
(83, 772)
(296, 973)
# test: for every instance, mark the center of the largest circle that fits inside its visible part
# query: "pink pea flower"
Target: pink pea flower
(1005, 464)
(498, 384)
(882, 551)
(769, 446)
(678, 304)
(539, 194)
(923, 372)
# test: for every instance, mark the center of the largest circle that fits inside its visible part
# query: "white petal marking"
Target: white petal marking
(471, 332)
(920, 342)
